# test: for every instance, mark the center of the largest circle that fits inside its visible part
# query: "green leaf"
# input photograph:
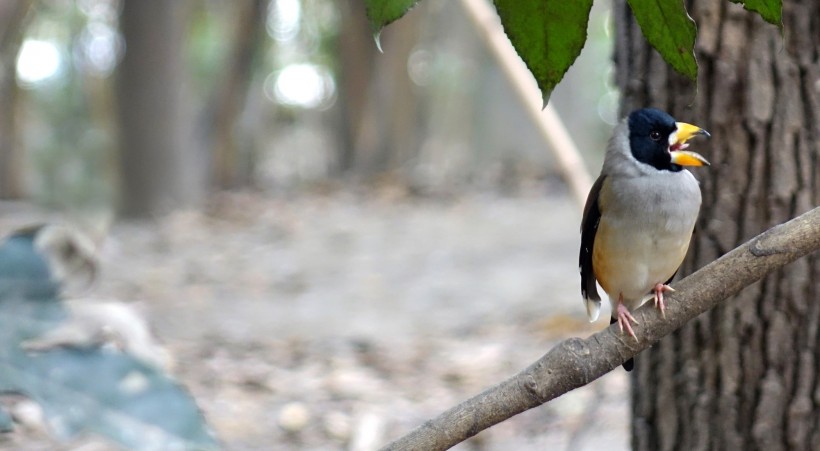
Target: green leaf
(669, 29)
(770, 10)
(547, 34)
(383, 12)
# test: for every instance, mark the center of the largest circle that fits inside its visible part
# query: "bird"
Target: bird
(639, 215)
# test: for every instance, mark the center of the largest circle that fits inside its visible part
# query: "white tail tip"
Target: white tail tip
(593, 309)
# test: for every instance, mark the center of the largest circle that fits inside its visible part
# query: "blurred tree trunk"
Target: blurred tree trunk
(356, 52)
(230, 167)
(379, 130)
(745, 375)
(13, 20)
(149, 89)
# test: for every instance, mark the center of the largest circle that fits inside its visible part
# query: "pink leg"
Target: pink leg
(659, 302)
(624, 318)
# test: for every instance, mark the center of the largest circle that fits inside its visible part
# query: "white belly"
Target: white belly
(643, 237)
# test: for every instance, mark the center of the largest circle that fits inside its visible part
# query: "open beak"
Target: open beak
(681, 157)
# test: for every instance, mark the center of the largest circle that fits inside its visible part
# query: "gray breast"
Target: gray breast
(668, 200)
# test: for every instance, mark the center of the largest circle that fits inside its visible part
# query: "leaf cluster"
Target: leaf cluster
(550, 34)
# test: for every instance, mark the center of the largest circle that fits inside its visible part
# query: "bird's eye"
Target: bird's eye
(655, 135)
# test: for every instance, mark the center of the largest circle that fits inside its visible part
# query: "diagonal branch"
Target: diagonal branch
(576, 362)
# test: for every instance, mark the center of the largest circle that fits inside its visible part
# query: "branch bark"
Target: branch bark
(576, 362)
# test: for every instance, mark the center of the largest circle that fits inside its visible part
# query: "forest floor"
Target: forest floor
(343, 320)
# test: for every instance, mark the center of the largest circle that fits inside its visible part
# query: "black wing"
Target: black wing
(589, 225)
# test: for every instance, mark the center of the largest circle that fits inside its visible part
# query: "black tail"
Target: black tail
(629, 364)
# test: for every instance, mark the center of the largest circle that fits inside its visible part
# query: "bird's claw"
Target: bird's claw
(624, 319)
(660, 304)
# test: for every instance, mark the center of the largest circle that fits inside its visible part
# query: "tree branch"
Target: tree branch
(576, 362)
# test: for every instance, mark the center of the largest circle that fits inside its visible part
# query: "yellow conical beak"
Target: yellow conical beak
(686, 158)
(687, 131)
(684, 133)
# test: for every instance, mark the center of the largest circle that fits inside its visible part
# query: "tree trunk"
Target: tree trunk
(14, 17)
(357, 54)
(226, 106)
(379, 133)
(744, 375)
(149, 89)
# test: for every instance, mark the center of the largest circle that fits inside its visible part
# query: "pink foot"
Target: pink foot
(624, 319)
(659, 302)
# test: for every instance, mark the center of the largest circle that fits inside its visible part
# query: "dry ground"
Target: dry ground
(341, 321)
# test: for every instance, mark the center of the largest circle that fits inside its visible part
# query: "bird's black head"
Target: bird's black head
(649, 131)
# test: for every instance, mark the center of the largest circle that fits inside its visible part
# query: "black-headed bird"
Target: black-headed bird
(639, 215)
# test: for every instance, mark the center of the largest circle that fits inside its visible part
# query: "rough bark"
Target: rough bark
(744, 375)
(149, 88)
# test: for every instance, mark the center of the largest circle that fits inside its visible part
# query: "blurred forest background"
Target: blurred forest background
(160, 104)
(340, 242)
